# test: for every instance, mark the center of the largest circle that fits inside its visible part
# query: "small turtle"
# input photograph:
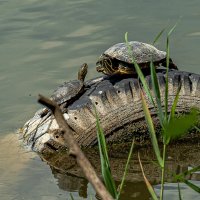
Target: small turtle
(117, 59)
(68, 91)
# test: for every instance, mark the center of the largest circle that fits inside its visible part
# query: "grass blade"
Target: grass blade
(155, 83)
(71, 196)
(192, 186)
(105, 164)
(151, 130)
(166, 135)
(139, 72)
(167, 65)
(172, 29)
(166, 85)
(174, 105)
(149, 187)
(158, 36)
(197, 128)
(125, 170)
(156, 90)
(180, 176)
(179, 192)
(163, 173)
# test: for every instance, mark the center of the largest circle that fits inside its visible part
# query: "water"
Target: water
(43, 43)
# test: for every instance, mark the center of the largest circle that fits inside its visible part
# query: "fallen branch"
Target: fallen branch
(74, 149)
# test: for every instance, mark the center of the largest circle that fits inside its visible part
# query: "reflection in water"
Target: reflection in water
(181, 157)
(71, 183)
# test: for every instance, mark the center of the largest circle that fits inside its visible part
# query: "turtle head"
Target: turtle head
(105, 65)
(82, 72)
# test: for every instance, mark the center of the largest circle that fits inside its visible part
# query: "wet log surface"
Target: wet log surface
(118, 104)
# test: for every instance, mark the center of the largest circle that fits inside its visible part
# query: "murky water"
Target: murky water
(43, 43)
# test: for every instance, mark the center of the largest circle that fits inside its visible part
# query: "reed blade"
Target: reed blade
(167, 66)
(148, 184)
(158, 36)
(71, 196)
(105, 164)
(151, 130)
(179, 192)
(192, 186)
(139, 72)
(156, 89)
(126, 169)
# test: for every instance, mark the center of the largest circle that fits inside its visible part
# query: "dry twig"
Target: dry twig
(74, 149)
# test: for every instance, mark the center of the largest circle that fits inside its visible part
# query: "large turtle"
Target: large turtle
(117, 59)
(68, 91)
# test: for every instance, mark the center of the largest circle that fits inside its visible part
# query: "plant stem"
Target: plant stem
(163, 172)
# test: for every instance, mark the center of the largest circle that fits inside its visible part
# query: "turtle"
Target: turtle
(68, 91)
(117, 59)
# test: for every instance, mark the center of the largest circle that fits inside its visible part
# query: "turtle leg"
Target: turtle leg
(172, 65)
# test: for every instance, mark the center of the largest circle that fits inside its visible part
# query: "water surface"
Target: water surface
(43, 43)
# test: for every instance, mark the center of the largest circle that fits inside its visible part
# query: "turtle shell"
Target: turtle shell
(67, 91)
(142, 52)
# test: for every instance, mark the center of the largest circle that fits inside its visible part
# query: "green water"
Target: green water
(43, 43)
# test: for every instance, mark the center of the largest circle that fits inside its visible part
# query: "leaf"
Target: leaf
(148, 184)
(179, 126)
(166, 134)
(151, 129)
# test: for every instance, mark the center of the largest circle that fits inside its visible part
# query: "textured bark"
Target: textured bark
(119, 106)
(74, 149)
(118, 103)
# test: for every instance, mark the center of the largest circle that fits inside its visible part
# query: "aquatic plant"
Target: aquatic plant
(173, 127)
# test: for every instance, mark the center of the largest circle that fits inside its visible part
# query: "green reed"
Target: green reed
(172, 126)
(105, 164)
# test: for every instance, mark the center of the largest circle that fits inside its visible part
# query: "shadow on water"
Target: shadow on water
(181, 157)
